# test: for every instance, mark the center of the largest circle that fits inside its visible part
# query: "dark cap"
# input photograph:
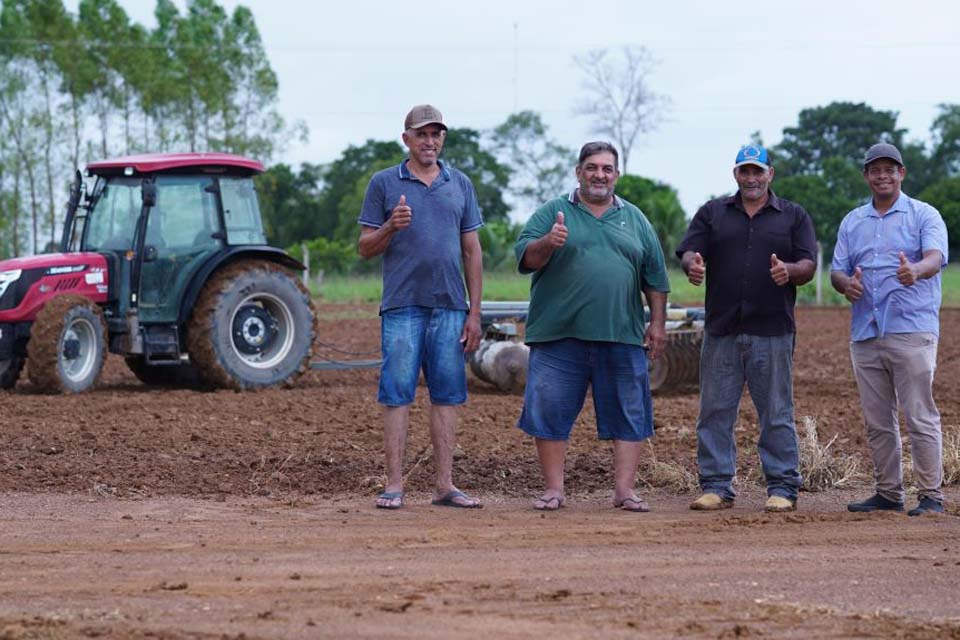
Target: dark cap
(882, 150)
(422, 115)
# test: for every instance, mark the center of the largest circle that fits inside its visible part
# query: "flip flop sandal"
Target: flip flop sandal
(450, 500)
(391, 496)
(637, 505)
(549, 504)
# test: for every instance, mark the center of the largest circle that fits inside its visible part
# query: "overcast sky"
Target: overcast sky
(351, 70)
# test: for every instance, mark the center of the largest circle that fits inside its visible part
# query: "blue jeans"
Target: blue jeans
(558, 376)
(415, 338)
(765, 364)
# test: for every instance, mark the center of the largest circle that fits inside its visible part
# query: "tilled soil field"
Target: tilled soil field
(136, 512)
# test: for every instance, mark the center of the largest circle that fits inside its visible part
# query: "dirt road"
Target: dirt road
(138, 513)
(77, 567)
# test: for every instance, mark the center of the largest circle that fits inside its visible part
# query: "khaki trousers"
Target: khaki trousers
(898, 369)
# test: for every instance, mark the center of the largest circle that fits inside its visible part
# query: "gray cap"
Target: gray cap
(422, 115)
(882, 150)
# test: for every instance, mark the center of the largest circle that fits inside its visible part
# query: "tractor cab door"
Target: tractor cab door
(183, 231)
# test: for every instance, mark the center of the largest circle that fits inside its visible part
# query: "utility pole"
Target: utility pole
(516, 67)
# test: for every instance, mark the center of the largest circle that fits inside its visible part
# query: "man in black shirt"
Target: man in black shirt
(753, 249)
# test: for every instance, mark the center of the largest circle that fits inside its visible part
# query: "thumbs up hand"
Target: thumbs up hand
(557, 237)
(401, 216)
(696, 270)
(854, 288)
(907, 273)
(778, 270)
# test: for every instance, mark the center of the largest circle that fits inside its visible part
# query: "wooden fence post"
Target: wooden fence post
(306, 262)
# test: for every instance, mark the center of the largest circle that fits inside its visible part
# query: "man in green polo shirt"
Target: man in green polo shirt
(591, 254)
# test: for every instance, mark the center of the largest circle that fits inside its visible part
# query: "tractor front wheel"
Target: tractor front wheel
(67, 345)
(10, 372)
(252, 327)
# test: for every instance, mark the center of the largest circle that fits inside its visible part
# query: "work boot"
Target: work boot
(779, 504)
(927, 505)
(711, 502)
(875, 503)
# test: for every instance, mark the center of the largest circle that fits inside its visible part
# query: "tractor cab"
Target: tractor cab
(159, 220)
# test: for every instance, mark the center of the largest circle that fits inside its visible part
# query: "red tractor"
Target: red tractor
(164, 261)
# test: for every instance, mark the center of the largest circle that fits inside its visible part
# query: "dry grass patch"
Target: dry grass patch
(822, 468)
(658, 474)
(951, 454)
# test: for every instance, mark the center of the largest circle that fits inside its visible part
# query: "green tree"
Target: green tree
(922, 168)
(290, 203)
(818, 162)
(497, 239)
(340, 178)
(945, 132)
(328, 256)
(839, 130)
(659, 202)
(490, 178)
(351, 203)
(103, 24)
(541, 167)
(945, 196)
(827, 197)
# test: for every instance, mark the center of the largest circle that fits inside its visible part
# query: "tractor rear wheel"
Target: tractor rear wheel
(67, 345)
(183, 375)
(252, 327)
(10, 372)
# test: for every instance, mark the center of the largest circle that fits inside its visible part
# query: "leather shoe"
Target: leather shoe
(927, 505)
(779, 504)
(711, 502)
(875, 503)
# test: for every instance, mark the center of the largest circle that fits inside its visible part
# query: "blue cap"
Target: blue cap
(753, 154)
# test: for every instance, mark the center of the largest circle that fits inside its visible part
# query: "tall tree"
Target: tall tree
(463, 151)
(100, 40)
(660, 203)
(945, 196)
(842, 130)
(827, 196)
(619, 101)
(251, 123)
(42, 26)
(290, 203)
(540, 167)
(945, 132)
(340, 178)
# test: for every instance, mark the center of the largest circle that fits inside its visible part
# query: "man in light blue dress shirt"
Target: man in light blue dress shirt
(887, 263)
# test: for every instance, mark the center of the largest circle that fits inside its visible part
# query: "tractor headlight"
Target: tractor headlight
(7, 278)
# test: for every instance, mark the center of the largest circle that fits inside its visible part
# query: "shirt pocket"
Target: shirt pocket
(777, 242)
(907, 239)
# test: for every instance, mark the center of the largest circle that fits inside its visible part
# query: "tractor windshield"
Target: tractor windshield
(112, 223)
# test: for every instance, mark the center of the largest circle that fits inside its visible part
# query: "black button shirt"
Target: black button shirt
(741, 295)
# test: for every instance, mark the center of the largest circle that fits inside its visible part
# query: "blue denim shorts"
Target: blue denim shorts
(415, 338)
(558, 375)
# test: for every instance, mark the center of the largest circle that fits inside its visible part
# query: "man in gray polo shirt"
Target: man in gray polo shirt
(423, 216)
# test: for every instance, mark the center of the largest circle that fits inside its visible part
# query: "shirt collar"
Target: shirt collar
(901, 204)
(574, 199)
(404, 171)
(736, 200)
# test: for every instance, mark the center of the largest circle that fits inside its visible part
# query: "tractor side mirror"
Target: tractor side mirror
(148, 193)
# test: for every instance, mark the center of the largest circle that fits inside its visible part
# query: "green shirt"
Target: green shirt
(590, 288)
